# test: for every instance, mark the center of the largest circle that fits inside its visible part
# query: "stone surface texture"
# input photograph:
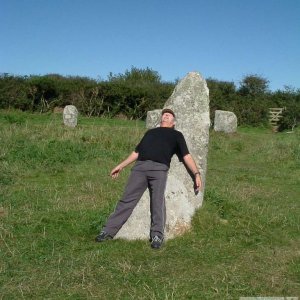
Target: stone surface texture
(153, 118)
(190, 102)
(70, 115)
(225, 121)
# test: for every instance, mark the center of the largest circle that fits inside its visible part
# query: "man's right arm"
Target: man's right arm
(130, 159)
(189, 161)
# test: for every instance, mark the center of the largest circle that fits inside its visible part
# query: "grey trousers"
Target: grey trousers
(144, 174)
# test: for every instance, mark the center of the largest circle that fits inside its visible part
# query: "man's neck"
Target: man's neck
(166, 125)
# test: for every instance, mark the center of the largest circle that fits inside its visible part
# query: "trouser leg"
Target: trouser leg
(137, 184)
(157, 184)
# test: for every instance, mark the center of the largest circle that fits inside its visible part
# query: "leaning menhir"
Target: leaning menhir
(190, 102)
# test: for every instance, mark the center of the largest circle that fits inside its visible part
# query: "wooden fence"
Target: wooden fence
(275, 114)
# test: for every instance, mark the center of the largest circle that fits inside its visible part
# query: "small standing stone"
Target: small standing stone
(153, 118)
(70, 115)
(225, 121)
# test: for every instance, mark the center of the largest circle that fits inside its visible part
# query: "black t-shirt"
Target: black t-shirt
(160, 144)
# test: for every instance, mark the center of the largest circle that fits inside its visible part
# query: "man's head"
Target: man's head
(167, 118)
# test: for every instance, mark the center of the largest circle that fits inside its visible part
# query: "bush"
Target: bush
(289, 99)
(137, 91)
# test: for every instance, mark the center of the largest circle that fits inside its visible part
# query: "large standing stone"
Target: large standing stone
(190, 102)
(225, 121)
(70, 115)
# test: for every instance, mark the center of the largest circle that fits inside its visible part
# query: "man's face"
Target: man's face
(167, 120)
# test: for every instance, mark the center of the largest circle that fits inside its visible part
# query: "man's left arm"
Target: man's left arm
(189, 161)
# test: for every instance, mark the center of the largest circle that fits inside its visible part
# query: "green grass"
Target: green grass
(55, 194)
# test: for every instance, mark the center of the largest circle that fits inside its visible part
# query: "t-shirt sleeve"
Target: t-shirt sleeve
(182, 146)
(137, 148)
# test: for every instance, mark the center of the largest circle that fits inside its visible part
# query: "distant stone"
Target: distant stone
(190, 102)
(121, 116)
(58, 110)
(153, 118)
(70, 115)
(225, 121)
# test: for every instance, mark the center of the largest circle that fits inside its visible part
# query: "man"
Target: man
(153, 156)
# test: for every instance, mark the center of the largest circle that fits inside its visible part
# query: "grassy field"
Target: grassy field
(55, 194)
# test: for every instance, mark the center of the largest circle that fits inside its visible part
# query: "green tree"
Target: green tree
(222, 95)
(253, 85)
(136, 76)
(135, 92)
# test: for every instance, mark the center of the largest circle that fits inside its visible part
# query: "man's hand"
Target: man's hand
(198, 183)
(115, 172)
(189, 161)
(131, 158)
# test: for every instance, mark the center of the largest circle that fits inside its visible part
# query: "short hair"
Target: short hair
(168, 110)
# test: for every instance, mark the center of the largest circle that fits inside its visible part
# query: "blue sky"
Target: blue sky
(225, 40)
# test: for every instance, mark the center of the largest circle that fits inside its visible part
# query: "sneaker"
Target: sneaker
(103, 236)
(156, 242)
